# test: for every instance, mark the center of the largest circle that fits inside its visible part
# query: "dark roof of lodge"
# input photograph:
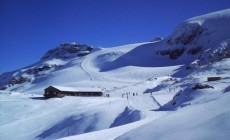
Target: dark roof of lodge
(77, 89)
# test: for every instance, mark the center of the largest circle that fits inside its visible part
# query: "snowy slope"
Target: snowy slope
(151, 87)
(195, 42)
(204, 121)
(195, 115)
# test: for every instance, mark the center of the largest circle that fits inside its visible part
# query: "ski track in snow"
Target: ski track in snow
(88, 67)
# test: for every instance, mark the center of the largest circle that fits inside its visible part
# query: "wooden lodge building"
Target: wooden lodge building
(58, 91)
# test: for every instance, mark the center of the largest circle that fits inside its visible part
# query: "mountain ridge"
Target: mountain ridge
(188, 42)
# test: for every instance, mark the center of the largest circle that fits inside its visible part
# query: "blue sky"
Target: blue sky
(28, 28)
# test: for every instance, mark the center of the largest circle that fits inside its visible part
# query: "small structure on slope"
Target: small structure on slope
(213, 78)
(58, 91)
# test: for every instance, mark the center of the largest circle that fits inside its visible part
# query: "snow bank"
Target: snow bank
(206, 121)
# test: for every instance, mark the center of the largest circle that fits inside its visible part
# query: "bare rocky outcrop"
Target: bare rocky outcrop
(172, 53)
(220, 53)
(190, 34)
(158, 38)
(19, 80)
(67, 50)
(195, 50)
(201, 86)
(41, 68)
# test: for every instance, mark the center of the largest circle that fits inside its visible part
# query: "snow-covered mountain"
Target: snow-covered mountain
(198, 40)
(168, 78)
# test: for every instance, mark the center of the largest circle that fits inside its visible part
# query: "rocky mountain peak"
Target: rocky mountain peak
(68, 50)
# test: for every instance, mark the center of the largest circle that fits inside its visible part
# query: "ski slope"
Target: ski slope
(151, 88)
